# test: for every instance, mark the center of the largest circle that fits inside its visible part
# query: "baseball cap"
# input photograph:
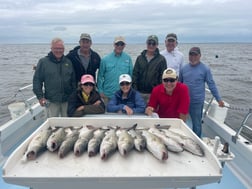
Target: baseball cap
(119, 39)
(195, 50)
(85, 36)
(87, 79)
(169, 73)
(125, 77)
(171, 36)
(152, 37)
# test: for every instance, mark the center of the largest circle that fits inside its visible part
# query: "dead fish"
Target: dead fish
(86, 133)
(155, 145)
(187, 143)
(139, 140)
(170, 143)
(95, 142)
(108, 144)
(68, 144)
(37, 144)
(56, 138)
(125, 142)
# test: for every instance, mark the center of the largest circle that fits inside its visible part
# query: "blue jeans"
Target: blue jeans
(195, 111)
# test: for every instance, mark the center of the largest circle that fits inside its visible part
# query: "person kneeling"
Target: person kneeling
(126, 100)
(85, 100)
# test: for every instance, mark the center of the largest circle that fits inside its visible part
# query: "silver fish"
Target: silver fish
(170, 143)
(37, 144)
(86, 133)
(139, 140)
(155, 145)
(108, 144)
(125, 142)
(95, 142)
(68, 144)
(55, 139)
(187, 143)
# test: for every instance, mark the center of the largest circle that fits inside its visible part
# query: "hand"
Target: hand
(80, 108)
(221, 103)
(128, 110)
(149, 110)
(42, 101)
(98, 102)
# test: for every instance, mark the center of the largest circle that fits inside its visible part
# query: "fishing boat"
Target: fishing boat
(231, 170)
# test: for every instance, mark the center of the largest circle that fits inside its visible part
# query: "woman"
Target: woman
(85, 100)
(126, 100)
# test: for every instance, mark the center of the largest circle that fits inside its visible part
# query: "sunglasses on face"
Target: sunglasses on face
(171, 40)
(88, 84)
(124, 83)
(193, 54)
(166, 80)
(120, 44)
(150, 43)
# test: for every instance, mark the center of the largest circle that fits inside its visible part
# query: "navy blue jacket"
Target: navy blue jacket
(134, 101)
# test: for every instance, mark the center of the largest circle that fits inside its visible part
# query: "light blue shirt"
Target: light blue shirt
(111, 68)
(195, 78)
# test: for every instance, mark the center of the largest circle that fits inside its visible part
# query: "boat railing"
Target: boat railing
(207, 102)
(243, 126)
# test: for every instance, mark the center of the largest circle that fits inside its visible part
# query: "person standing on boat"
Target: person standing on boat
(126, 100)
(195, 75)
(84, 59)
(54, 73)
(169, 99)
(85, 100)
(174, 58)
(112, 66)
(148, 68)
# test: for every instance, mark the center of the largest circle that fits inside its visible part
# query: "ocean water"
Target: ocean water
(230, 64)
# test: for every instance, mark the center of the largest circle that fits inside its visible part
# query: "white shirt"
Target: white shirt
(174, 59)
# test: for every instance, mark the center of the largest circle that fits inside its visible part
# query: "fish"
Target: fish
(155, 145)
(68, 144)
(139, 140)
(56, 138)
(108, 144)
(125, 142)
(170, 143)
(37, 144)
(86, 133)
(187, 142)
(95, 142)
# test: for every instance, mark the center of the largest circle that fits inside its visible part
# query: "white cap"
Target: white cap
(125, 77)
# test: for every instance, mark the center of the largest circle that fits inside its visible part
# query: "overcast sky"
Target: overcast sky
(38, 21)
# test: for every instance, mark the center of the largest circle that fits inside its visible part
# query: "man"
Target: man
(84, 59)
(195, 75)
(174, 58)
(169, 99)
(56, 74)
(112, 66)
(148, 68)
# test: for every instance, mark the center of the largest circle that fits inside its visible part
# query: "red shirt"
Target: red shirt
(170, 106)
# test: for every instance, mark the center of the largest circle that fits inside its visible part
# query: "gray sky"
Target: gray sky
(38, 21)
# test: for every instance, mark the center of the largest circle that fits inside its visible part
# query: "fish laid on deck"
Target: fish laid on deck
(155, 145)
(55, 139)
(139, 140)
(108, 144)
(37, 144)
(125, 141)
(86, 133)
(95, 142)
(68, 144)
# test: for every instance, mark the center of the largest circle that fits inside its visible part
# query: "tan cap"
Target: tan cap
(169, 73)
(119, 39)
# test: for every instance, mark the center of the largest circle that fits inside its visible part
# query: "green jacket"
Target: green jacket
(57, 78)
(147, 75)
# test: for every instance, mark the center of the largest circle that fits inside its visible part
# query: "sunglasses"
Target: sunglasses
(193, 54)
(88, 84)
(120, 44)
(124, 83)
(151, 43)
(169, 80)
(171, 40)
